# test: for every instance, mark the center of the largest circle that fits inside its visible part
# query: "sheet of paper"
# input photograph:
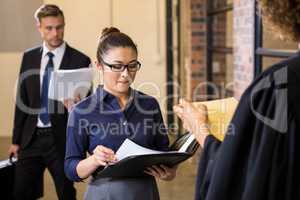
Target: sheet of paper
(186, 145)
(68, 84)
(129, 148)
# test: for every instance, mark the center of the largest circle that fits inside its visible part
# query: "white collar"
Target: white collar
(57, 51)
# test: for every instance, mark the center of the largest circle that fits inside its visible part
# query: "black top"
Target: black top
(259, 159)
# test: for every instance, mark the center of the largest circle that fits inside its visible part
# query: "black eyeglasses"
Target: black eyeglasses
(131, 67)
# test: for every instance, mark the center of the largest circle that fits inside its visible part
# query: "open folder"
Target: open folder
(133, 159)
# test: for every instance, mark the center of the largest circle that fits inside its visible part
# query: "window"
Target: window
(219, 48)
(268, 48)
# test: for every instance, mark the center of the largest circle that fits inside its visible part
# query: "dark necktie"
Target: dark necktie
(44, 115)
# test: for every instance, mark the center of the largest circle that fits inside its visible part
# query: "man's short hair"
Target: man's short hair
(47, 10)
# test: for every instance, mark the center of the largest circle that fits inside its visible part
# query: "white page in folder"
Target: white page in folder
(68, 84)
(129, 148)
(186, 145)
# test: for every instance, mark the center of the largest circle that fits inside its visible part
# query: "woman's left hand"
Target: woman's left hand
(162, 172)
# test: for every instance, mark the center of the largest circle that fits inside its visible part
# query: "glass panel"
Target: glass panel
(223, 29)
(222, 74)
(273, 42)
(221, 3)
(269, 61)
(229, 29)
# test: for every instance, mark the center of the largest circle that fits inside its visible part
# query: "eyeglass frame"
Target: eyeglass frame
(123, 66)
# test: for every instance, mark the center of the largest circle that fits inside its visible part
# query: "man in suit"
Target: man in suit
(39, 131)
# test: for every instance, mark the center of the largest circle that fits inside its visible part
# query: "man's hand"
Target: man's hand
(69, 103)
(194, 120)
(13, 150)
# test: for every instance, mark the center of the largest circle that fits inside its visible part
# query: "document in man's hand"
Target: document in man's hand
(69, 84)
(220, 113)
(133, 159)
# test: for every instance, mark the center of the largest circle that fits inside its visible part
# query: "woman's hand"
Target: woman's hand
(103, 156)
(162, 172)
(194, 119)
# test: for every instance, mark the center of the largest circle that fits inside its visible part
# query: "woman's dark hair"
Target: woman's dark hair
(283, 16)
(111, 38)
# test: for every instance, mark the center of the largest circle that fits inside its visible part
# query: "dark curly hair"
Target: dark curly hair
(283, 16)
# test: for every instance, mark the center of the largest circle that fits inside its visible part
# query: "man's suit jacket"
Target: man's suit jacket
(28, 101)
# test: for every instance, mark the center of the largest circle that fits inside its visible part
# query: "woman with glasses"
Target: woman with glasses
(99, 124)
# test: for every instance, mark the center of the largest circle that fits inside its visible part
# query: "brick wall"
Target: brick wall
(243, 26)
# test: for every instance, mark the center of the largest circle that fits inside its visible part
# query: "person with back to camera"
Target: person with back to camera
(260, 158)
(99, 125)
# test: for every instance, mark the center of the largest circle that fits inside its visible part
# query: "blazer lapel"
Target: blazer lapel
(36, 82)
(66, 59)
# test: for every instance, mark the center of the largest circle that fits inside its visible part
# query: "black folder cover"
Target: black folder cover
(134, 166)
